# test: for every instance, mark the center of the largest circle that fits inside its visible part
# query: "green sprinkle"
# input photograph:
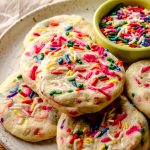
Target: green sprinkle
(111, 67)
(79, 61)
(142, 141)
(103, 25)
(123, 40)
(106, 147)
(70, 91)
(71, 79)
(100, 77)
(142, 131)
(132, 94)
(110, 60)
(55, 92)
(41, 56)
(70, 44)
(19, 76)
(80, 85)
(19, 90)
(88, 47)
(67, 33)
(79, 132)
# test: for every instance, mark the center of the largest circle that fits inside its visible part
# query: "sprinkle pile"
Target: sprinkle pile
(127, 25)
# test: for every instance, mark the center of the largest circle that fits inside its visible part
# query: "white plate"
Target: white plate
(11, 49)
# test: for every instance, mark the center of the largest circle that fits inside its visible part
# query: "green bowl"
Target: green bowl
(125, 53)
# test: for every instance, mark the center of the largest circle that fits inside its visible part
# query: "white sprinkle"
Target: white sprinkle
(35, 108)
(75, 144)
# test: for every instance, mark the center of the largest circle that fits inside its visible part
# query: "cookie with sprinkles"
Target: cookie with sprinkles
(80, 78)
(117, 127)
(138, 85)
(45, 44)
(23, 113)
(59, 23)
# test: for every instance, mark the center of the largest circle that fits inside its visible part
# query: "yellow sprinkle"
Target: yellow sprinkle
(126, 125)
(112, 81)
(31, 39)
(114, 142)
(69, 73)
(72, 60)
(42, 30)
(56, 55)
(25, 122)
(89, 140)
(32, 106)
(85, 129)
(17, 113)
(71, 48)
(14, 80)
(50, 65)
(102, 147)
(23, 98)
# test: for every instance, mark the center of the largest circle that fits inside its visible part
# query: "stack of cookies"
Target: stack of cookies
(69, 87)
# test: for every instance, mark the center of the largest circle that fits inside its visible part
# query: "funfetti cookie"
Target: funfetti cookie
(61, 23)
(43, 45)
(138, 85)
(80, 78)
(117, 127)
(23, 113)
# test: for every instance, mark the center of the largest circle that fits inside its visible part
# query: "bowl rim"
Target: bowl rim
(105, 39)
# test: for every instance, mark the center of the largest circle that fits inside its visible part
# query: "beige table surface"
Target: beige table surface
(11, 10)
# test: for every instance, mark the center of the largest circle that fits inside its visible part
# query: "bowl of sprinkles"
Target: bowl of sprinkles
(123, 26)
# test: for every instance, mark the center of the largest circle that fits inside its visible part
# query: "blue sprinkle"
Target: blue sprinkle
(117, 68)
(37, 59)
(68, 28)
(103, 132)
(118, 29)
(74, 83)
(53, 48)
(67, 58)
(31, 94)
(113, 39)
(60, 61)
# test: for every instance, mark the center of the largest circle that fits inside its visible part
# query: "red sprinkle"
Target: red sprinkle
(137, 81)
(28, 101)
(57, 72)
(94, 82)
(88, 75)
(133, 129)
(106, 139)
(36, 34)
(54, 23)
(32, 74)
(75, 136)
(145, 69)
(120, 118)
(80, 69)
(116, 134)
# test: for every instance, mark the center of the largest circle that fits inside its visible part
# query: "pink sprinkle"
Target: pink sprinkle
(79, 43)
(88, 75)
(27, 53)
(97, 72)
(37, 49)
(132, 130)
(107, 86)
(90, 58)
(101, 51)
(94, 82)
(145, 69)
(92, 88)
(33, 70)
(106, 139)
(137, 81)
(36, 34)
(60, 40)
(95, 47)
